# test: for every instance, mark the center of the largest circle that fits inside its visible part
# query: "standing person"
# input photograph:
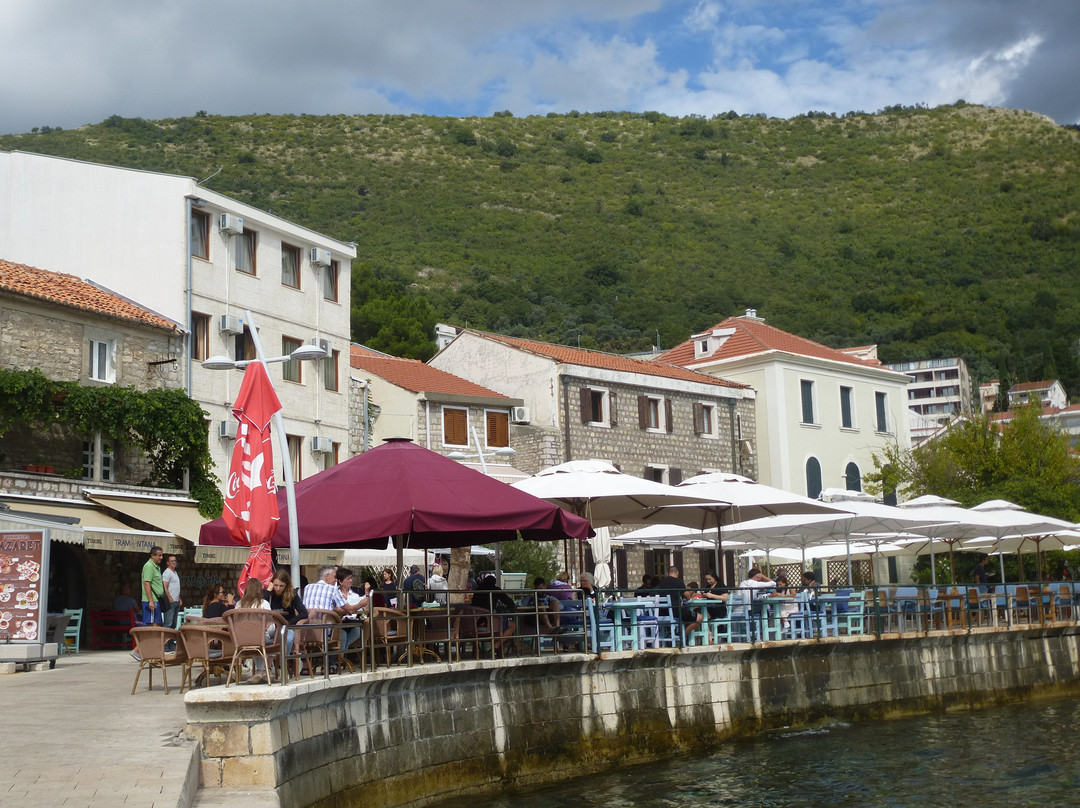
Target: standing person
(171, 579)
(389, 587)
(982, 577)
(152, 587)
(415, 587)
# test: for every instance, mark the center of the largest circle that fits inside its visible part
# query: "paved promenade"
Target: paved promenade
(75, 736)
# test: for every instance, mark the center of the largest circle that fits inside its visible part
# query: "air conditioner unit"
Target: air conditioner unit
(227, 429)
(325, 344)
(231, 325)
(322, 445)
(319, 258)
(519, 415)
(231, 225)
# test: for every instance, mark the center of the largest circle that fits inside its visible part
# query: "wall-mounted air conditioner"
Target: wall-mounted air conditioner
(231, 225)
(325, 344)
(227, 429)
(322, 446)
(231, 325)
(519, 415)
(319, 258)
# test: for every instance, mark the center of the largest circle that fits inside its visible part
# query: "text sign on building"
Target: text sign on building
(24, 575)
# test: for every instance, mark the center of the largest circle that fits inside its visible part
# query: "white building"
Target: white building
(1049, 394)
(821, 413)
(199, 259)
(940, 390)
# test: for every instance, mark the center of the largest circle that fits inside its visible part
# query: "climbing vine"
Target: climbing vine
(166, 425)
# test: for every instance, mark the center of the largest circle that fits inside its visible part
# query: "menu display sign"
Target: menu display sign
(24, 571)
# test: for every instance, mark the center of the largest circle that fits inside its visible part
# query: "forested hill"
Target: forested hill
(930, 232)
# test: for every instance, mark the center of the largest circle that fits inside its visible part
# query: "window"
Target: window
(455, 426)
(101, 361)
(244, 346)
(295, 443)
(290, 371)
(654, 414)
(598, 407)
(807, 389)
(497, 428)
(246, 244)
(330, 279)
(852, 478)
(845, 408)
(99, 460)
(881, 406)
(705, 420)
(200, 336)
(290, 266)
(199, 238)
(813, 478)
(333, 457)
(330, 371)
(654, 473)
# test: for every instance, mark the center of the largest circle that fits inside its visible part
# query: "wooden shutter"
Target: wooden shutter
(586, 404)
(498, 429)
(699, 418)
(455, 427)
(674, 476)
(613, 417)
(668, 410)
(643, 412)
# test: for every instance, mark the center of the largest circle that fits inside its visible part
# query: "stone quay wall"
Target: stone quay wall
(406, 737)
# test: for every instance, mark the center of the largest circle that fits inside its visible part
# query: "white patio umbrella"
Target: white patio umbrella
(734, 499)
(1013, 520)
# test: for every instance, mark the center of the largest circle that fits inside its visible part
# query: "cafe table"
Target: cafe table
(624, 616)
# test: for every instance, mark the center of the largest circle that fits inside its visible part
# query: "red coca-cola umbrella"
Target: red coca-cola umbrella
(421, 498)
(250, 517)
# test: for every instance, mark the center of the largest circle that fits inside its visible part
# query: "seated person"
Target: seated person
(713, 591)
(490, 597)
(756, 583)
(548, 620)
(672, 584)
(216, 602)
(124, 602)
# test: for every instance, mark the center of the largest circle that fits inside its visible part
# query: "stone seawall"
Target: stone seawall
(406, 737)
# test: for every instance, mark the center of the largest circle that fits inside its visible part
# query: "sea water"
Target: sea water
(1003, 757)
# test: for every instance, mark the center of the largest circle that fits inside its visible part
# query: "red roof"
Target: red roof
(607, 361)
(752, 336)
(1024, 387)
(410, 374)
(72, 293)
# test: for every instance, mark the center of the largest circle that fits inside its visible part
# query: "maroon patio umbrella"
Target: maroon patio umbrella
(421, 498)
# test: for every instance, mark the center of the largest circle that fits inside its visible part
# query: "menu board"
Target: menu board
(23, 585)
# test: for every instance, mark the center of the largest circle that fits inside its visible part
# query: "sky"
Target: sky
(70, 62)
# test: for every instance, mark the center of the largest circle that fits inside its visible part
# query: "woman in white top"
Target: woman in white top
(253, 599)
(437, 583)
(352, 624)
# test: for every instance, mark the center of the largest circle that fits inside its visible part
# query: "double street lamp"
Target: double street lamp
(305, 353)
(482, 456)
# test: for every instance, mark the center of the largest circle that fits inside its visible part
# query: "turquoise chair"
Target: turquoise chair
(73, 630)
(850, 616)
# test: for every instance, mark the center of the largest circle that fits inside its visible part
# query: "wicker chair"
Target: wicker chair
(248, 629)
(387, 631)
(210, 646)
(150, 646)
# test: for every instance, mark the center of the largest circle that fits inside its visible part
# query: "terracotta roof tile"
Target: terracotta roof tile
(410, 374)
(607, 361)
(70, 292)
(1024, 387)
(752, 336)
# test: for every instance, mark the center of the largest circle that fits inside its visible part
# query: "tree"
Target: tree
(1024, 460)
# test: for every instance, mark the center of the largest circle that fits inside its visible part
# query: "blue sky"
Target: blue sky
(70, 62)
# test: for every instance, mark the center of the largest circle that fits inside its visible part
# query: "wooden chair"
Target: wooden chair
(248, 629)
(150, 646)
(210, 646)
(73, 630)
(981, 608)
(1063, 602)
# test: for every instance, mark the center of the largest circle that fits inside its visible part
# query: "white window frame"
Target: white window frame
(605, 406)
(101, 351)
(854, 425)
(487, 435)
(662, 468)
(442, 414)
(99, 460)
(656, 402)
(708, 413)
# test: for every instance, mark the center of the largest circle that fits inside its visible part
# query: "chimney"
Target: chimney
(752, 314)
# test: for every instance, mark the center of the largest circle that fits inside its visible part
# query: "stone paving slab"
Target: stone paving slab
(75, 736)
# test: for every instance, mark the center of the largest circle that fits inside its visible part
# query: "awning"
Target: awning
(94, 529)
(210, 554)
(503, 472)
(178, 516)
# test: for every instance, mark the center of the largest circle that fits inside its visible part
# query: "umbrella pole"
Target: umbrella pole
(952, 563)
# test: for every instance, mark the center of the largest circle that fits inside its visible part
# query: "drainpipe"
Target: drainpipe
(736, 466)
(427, 423)
(187, 291)
(566, 419)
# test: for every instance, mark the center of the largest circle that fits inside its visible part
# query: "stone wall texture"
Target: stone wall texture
(408, 737)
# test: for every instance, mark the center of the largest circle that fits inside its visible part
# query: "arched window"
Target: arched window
(813, 478)
(852, 478)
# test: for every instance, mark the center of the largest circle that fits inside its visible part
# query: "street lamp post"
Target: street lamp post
(505, 451)
(301, 354)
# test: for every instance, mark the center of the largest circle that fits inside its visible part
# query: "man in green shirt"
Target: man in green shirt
(152, 587)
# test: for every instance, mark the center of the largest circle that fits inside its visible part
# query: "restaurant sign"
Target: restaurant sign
(132, 543)
(24, 576)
